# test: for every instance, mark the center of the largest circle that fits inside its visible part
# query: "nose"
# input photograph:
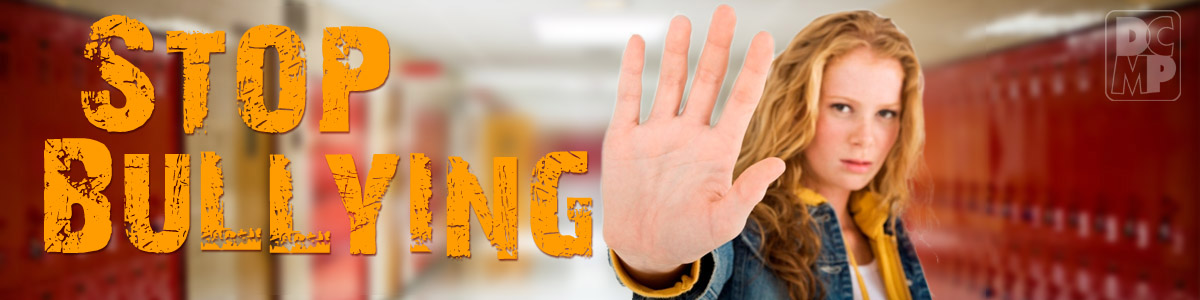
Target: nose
(862, 135)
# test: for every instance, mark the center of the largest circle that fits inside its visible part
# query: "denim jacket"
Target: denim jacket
(735, 270)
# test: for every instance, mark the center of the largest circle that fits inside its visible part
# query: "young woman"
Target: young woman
(823, 167)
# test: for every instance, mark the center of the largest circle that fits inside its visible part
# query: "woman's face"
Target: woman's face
(858, 119)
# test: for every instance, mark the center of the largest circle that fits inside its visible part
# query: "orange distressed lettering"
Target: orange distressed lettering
(215, 236)
(176, 219)
(363, 210)
(61, 192)
(283, 235)
(120, 73)
(544, 208)
(420, 192)
(499, 224)
(196, 49)
(340, 79)
(292, 78)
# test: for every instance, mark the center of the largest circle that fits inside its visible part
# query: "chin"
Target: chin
(854, 183)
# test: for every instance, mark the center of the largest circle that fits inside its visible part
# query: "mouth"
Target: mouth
(857, 166)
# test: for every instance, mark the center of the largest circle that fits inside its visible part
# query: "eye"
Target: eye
(888, 114)
(840, 107)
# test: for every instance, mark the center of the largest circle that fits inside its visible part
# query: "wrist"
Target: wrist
(650, 274)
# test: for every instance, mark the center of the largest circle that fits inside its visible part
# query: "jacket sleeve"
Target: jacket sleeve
(705, 279)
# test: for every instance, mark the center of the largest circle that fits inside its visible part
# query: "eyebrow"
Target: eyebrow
(851, 100)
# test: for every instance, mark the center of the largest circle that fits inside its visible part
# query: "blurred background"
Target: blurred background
(1036, 185)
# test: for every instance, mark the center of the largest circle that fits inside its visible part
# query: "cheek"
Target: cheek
(887, 135)
(829, 137)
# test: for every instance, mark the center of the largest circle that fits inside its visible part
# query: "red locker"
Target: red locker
(43, 70)
(1050, 190)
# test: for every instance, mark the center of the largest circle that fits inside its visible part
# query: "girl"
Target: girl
(823, 169)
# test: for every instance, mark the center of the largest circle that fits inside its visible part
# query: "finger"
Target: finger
(629, 85)
(673, 74)
(714, 60)
(750, 187)
(748, 87)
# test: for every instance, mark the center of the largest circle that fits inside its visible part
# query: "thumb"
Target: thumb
(749, 188)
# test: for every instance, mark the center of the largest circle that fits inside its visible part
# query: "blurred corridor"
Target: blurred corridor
(1037, 185)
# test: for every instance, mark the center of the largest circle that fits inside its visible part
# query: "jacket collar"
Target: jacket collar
(868, 209)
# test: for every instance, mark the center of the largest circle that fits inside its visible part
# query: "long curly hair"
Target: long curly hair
(785, 122)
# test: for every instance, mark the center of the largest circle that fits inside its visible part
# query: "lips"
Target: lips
(857, 166)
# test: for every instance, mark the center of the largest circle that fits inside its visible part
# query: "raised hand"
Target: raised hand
(667, 183)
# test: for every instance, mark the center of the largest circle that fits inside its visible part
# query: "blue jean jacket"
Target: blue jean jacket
(736, 271)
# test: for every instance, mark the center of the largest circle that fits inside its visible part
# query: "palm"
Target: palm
(668, 188)
(670, 181)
